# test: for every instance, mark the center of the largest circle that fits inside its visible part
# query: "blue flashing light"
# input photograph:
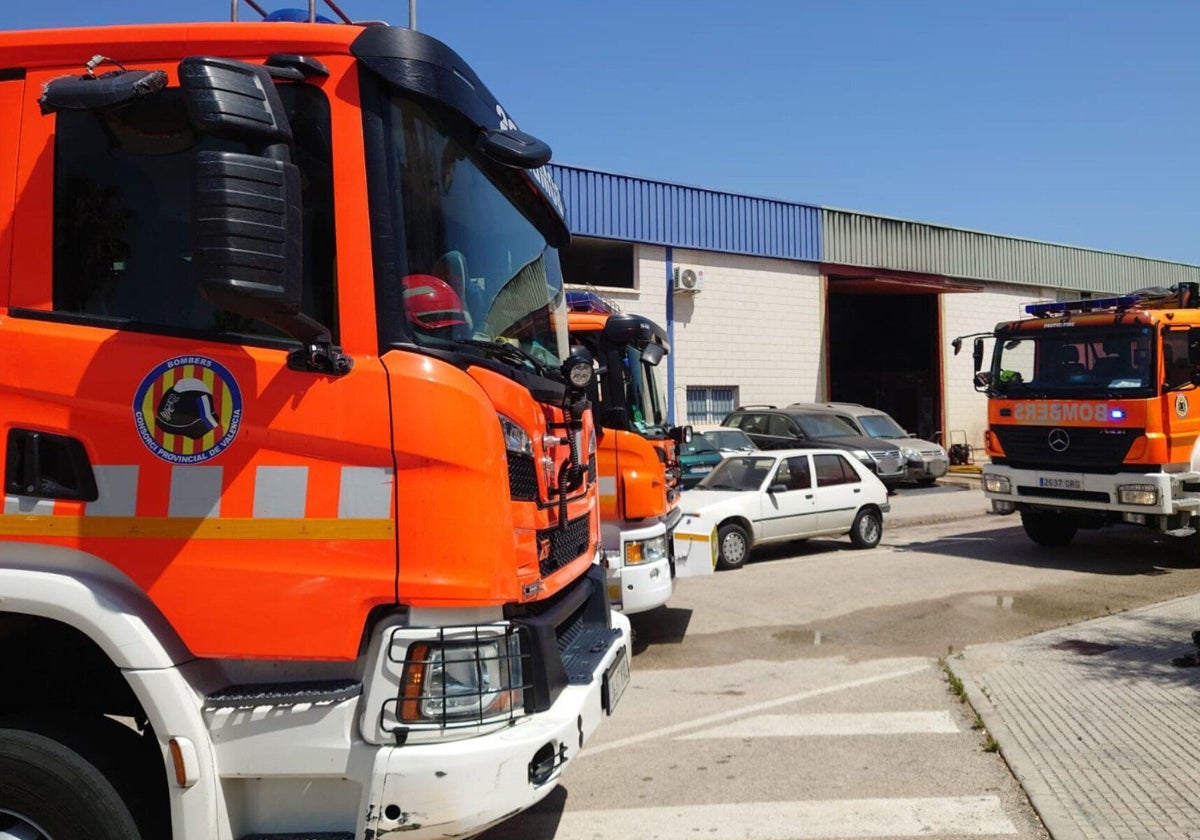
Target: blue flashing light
(589, 302)
(1062, 307)
(294, 16)
(1117, 414)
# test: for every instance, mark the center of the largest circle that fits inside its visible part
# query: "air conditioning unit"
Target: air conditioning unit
(688, 280)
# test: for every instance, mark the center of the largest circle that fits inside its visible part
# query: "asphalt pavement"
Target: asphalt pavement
(1098, 725)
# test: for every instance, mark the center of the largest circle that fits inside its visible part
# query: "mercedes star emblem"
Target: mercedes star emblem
(1059, 440)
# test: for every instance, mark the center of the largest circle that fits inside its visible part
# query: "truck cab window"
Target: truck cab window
(122, 214)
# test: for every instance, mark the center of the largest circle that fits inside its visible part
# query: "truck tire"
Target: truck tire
(52, 791)
(1048, 529)
(1190, 545)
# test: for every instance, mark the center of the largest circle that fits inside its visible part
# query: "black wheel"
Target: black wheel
(64, 779)
(733, 546)
(867, 530)
(1048, 529)
(1190, 545)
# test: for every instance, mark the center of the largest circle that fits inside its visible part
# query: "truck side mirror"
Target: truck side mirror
(983, 380)
(977, 353)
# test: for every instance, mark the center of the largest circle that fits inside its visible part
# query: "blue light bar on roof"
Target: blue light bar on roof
(589, 302)
(1062, 307)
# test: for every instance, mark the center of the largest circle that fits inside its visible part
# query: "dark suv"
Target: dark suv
(791, 428)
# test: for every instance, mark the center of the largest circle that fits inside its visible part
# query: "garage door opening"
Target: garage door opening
(883, 352)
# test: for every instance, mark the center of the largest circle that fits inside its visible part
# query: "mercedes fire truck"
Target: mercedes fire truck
(1094, 415)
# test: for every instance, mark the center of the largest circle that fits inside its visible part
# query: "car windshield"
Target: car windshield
(1074, 363)
(697, 446)
(740, 472)
(477, 274)
(823, 425)
(881, 426)
(644, 391)
(732, 440)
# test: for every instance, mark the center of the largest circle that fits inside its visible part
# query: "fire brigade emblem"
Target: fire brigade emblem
(188, 410)
(1181, 405)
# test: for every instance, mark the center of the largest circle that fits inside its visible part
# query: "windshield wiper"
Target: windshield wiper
(511, 352)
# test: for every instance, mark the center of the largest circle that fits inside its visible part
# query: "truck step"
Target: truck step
(317, 692)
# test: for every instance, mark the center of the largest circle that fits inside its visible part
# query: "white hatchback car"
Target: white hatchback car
(777, 495)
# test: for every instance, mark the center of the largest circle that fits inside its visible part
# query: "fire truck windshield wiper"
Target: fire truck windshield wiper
(511, 352)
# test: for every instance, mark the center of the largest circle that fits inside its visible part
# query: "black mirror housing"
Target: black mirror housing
(235, 100)
(977, 353)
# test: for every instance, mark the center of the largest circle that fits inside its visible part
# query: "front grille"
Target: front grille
(889, 461)
(566, 544)
(522, 477)
(1066, 495)
(1087, 450)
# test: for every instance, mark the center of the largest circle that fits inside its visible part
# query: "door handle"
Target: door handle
(808, 496)
(857, 489)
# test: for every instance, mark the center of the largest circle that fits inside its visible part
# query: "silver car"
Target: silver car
(927, 461)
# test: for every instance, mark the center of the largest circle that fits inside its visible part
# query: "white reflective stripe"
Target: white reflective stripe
(195, 492)
(28, 506)
(366, 493)
(608, 485)
(951, 816)
(118, 491)
(863, 723)
(280, 492)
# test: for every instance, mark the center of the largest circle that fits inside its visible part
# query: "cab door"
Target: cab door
(250, 499)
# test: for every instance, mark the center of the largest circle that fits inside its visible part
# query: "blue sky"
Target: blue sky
(1070, 121)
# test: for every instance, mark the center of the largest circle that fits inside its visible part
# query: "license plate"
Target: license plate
(699, 470)
(616, 680)
(1055, 483)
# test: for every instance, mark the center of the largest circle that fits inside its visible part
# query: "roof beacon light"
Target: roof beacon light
(1063, 307)
(580, 301)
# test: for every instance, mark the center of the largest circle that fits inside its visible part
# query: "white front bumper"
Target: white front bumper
(1090, 491)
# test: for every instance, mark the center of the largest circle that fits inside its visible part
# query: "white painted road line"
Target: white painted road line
(954, 817)
(800, 726)
(683, 726)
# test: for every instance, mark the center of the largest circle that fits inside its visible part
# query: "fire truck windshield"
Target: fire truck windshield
(473, 272)
(643, 393)
(1075, 362)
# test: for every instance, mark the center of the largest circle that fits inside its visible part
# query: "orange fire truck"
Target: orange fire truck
(638, 465)
(301, 522)
(1094, 415)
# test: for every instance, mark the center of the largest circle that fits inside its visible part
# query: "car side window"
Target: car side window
(754, 424)
(799, 475)
(781, 427)
(834, 469)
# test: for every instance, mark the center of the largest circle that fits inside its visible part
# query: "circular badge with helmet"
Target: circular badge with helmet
(188, 409)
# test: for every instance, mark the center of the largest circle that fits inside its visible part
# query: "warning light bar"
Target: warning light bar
(1062, 307)
(589, 302)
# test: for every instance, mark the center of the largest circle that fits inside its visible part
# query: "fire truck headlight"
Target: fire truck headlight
(516, 439)
(646, 551)
(1137, 494)
(449, 683)
(996, 483)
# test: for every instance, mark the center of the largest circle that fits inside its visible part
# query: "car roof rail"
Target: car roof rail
(753, 405)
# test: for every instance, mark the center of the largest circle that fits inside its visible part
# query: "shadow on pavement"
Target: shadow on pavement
(663, 626)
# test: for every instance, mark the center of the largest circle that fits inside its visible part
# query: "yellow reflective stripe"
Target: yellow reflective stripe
(196, 529)
(692, 537)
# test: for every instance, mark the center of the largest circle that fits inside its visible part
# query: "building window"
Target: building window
(598, 262)
(710, 404)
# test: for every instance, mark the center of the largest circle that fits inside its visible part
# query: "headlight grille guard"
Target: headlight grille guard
(511, 661)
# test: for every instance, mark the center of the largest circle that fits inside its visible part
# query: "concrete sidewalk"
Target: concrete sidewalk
(1098, 726)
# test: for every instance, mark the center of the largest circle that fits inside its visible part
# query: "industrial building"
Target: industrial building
(773, 302)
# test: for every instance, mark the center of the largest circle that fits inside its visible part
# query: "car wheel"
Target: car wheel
(733, 546)
(53, 791)
(1048, 529)
(867, 530)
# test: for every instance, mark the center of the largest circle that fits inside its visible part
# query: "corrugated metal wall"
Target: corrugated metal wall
(658, 213)
(875, 242)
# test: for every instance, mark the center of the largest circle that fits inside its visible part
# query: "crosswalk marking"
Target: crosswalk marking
(845, 819)
(685, 725)
(871, 723)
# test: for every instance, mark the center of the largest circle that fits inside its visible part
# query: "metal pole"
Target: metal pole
(412, 14)
(233, 4)
(312, 11)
